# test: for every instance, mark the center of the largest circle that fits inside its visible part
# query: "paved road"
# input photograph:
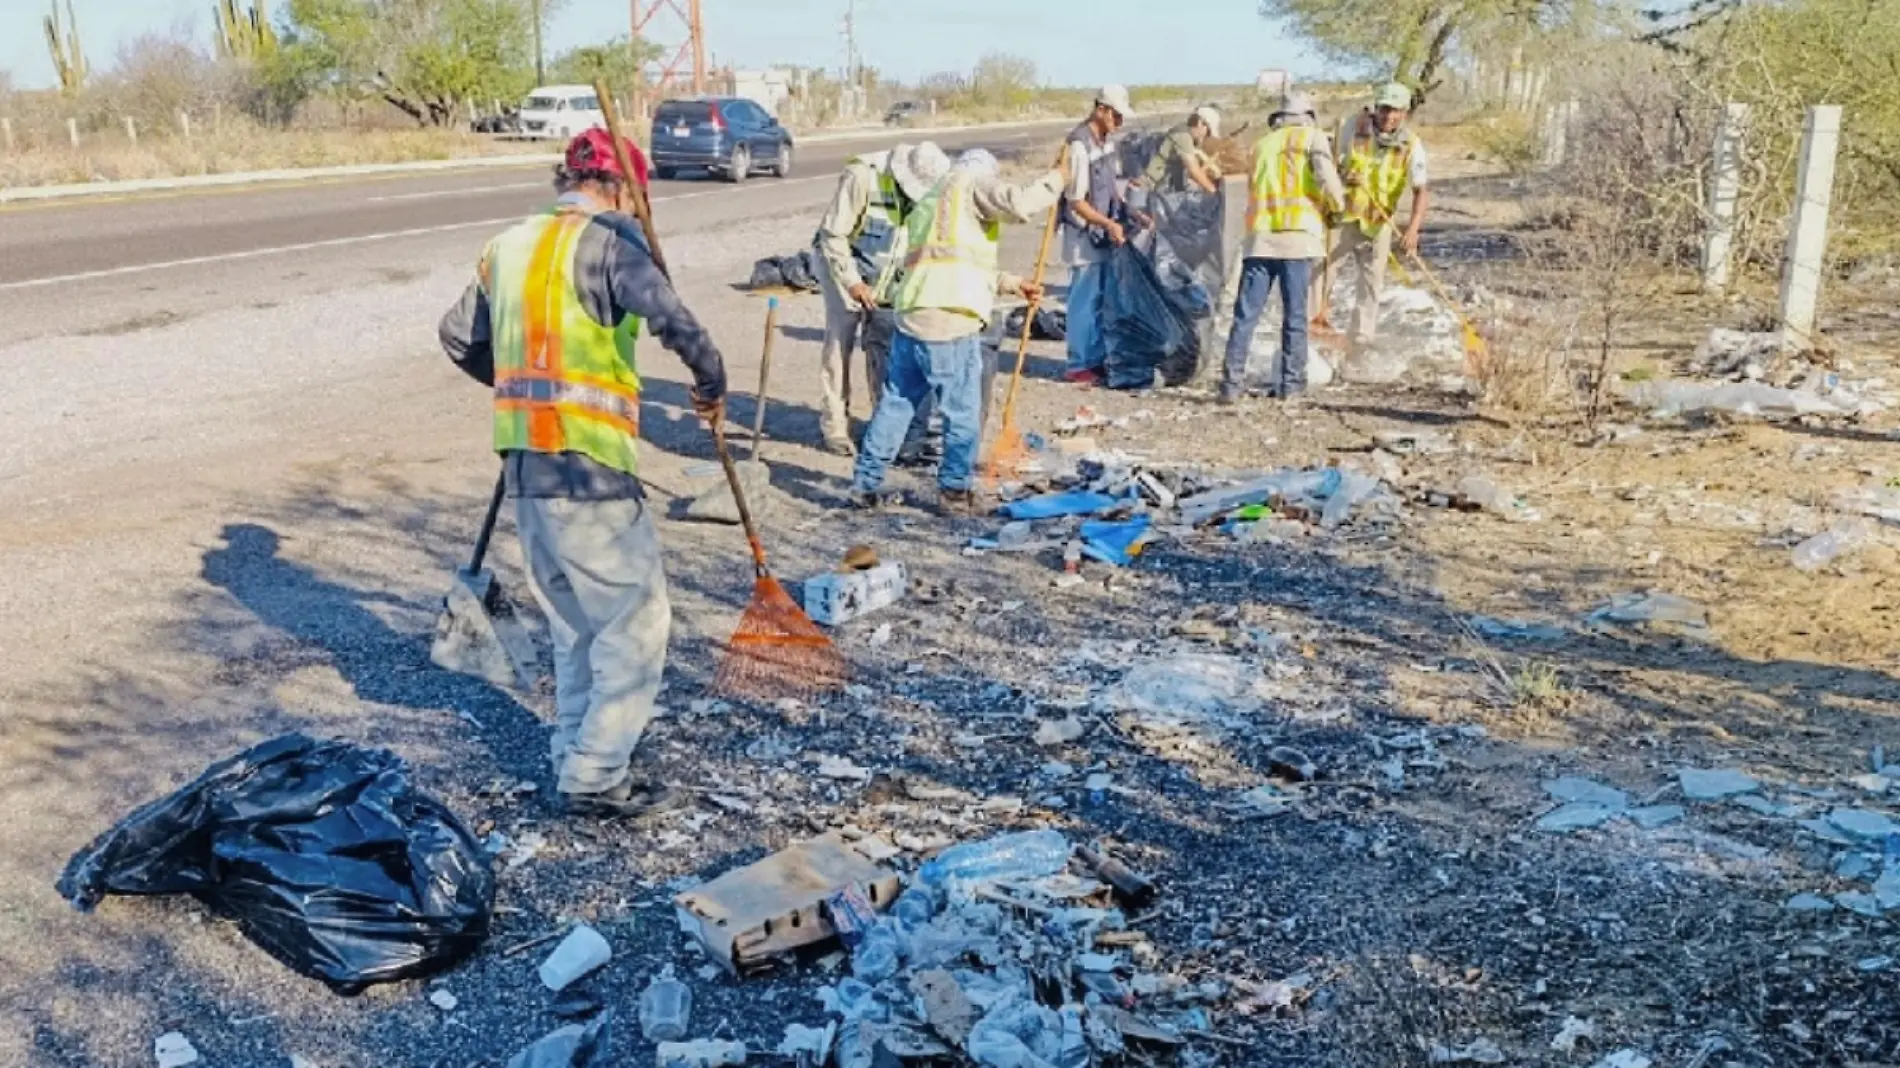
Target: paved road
(124, 263)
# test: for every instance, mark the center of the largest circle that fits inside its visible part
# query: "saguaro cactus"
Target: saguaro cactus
(62, 40)
(244, 34)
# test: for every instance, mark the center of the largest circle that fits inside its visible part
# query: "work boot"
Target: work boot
(1228, 396)
(839, 447)
(956, 502)
(632, 799)
(872, 500)
(1086, 376)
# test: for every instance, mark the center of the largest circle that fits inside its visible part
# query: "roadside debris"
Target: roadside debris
(582, 951)
(1833, 543)
(174, 1050)
(1651, 609)
(1706, 785)
(750, 916)
(840, 597)
(700, 1053)
(666, 1008)
(572, 1046)
(444, 1000)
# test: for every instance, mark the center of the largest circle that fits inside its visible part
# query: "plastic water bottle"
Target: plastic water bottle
(1821, 549)
(1074, 1052)
(666, 1008)
(1023, 855)
(878, 955)
(914, 907)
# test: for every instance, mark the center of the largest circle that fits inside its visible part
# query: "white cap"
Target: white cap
(1116, 97)
(919, 168)
(1210, 117)
(978, 160)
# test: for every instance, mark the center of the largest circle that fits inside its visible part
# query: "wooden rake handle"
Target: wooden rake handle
(636, 191)
(1029, 317)
(725, 454)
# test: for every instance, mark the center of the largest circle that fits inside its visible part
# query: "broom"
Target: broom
(1009, 450)
(1477, 355)
(777, 650)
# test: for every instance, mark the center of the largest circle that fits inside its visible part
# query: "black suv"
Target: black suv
(727, 135)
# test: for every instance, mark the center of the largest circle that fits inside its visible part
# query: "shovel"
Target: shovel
(714, 504)
(479, 633)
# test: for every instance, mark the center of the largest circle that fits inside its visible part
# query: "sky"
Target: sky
(1074, 42)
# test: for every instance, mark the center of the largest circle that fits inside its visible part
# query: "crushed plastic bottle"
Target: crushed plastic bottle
(878, 956)
(914, 907)
(666, 1008)
(1023, 855)
(1836, 541)
(1074, 1052)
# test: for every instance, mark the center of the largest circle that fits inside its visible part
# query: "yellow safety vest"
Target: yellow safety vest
(952, 258)
(1285, 195)
(1386, 173)
(874, 239)
(563, 382)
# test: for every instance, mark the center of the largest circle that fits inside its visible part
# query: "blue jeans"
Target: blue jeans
(1088, 345)
(951, 369)
(1257, 279)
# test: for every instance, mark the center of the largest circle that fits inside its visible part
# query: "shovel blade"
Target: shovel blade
(479, 634)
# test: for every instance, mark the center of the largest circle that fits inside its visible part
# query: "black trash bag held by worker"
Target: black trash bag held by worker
(320, 850)
(1190, 260)
(1144, 330)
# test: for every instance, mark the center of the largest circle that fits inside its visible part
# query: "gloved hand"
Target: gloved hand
(713, 410)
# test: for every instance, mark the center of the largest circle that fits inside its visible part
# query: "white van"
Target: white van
(560, 111)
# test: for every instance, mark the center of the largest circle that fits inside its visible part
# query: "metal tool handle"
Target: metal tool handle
(636, 192)
(765, 374)
(488, 523)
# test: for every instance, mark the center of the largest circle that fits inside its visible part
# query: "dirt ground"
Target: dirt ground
(1409, 882)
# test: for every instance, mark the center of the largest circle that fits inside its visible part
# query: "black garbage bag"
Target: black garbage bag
(1191, 262)
(1052, 324)
(801, 270)
(320, 850)
(1144, 330)
(766, 274)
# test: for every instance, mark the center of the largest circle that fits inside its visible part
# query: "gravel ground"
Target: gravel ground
(265, 552)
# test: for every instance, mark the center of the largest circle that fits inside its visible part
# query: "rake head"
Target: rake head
(778, 651)
(1007, 453)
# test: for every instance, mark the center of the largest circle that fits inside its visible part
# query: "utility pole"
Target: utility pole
(851, 43)
(540, 57)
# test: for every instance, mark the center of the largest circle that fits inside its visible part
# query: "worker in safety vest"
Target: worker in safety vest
(943, 303)
(858, 239)
(550, 323)
(1293, 188)
(1379, 158)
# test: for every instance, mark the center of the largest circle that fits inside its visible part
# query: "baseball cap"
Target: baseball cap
(593, 150)
(1394, 95)
(1210, 116)
(1115, 97)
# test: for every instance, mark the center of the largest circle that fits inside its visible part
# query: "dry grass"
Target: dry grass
(238, 148)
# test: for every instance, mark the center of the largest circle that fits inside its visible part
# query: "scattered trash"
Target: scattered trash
(1190, 691)
(322, 851)
(1052, 324)
(809, 1046)
(1572, 1032)
(1024, 855)
(1706, 785)
(1742, 354)
(1115, 543)
(1838, 540)
(1054, 732)
(748, 917)
(666, 1008)
(1809, 903)
(1748, 399)
(1516, 629)
(837, 767)
(1624, 1058)
(799, 271)
(444, 1000)
(1651, 817)
(1482, 494)
(572, 1046)
(174, 1050)
(1053, 505)
(583, 950)
(1482, 1051)
(1571, 788)
(1131, 888)
(1576, 816)
(700, 1053)
(1665, 609)
(1863, 824)
(836, 597)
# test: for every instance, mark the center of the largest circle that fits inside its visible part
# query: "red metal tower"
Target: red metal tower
(691, 51)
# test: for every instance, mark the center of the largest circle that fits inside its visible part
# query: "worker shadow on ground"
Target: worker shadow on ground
(791, 431)
(813, 334)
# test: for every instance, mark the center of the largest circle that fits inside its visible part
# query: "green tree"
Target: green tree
(619, 63)
(1003, 80)
(423, 57)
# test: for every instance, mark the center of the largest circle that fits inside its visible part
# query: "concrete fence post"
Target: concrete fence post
(6, 132)
(131, 130)
(1725, 194)
(72, 131)
(184, 124)
(1807, 232)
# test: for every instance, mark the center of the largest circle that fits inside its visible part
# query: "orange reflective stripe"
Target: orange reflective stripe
(538, 411)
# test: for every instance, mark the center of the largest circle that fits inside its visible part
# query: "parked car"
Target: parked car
(508, 122)
(559, 112)
(726, 135)
(905, 112)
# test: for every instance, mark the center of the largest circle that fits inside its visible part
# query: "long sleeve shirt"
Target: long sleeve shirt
(842, 216)
(994, 201)
(614, 277)
(1299, 244)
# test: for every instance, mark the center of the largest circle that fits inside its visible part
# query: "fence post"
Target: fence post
(6, 130)
(131, 130)
(184, 124)
(72, 131)
(1725, 194)
(1807, 235)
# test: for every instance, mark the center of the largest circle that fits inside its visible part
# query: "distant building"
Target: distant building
(768, 88)
(1272, 83)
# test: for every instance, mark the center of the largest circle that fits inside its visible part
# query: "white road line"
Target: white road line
(434, 195)
(338, 242)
